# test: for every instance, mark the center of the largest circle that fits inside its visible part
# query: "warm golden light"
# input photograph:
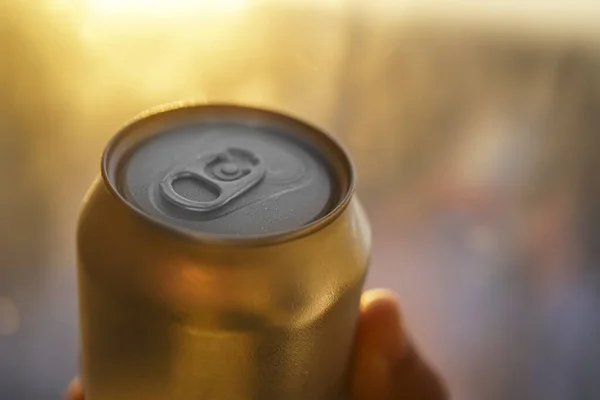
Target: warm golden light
(162, 8)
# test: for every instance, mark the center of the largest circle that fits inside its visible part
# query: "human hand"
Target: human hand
(385, 367)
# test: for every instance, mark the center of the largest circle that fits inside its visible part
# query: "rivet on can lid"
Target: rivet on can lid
(228, 170)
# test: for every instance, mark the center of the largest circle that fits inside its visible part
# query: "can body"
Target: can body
(167, 315)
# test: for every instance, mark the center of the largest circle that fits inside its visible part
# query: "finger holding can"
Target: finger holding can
(386, 364)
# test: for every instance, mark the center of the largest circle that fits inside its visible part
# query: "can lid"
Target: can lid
(228, 170)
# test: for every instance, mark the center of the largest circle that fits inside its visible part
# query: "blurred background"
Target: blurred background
(473, 126)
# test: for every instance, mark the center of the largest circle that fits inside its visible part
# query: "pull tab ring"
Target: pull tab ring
(231, 173)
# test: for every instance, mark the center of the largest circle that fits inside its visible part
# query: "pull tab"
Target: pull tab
(231, 173)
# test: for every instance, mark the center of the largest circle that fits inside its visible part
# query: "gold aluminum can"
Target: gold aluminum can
(221, 255)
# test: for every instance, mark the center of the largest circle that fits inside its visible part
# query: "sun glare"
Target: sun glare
(161, 8)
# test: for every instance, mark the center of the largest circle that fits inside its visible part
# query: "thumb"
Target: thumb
(74, 391)
(386, 365)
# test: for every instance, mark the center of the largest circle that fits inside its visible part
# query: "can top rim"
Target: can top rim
(219, 238)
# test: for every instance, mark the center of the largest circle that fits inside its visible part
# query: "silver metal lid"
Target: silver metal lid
(228, 170)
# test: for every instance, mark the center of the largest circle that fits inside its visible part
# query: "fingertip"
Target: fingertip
(75, 390)
(386, 363)
(379, 341)
(381, 302)
(380, 322)
(373, 297)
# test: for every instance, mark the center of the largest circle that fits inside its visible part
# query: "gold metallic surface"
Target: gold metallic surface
(179, 114)
(166, 315)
